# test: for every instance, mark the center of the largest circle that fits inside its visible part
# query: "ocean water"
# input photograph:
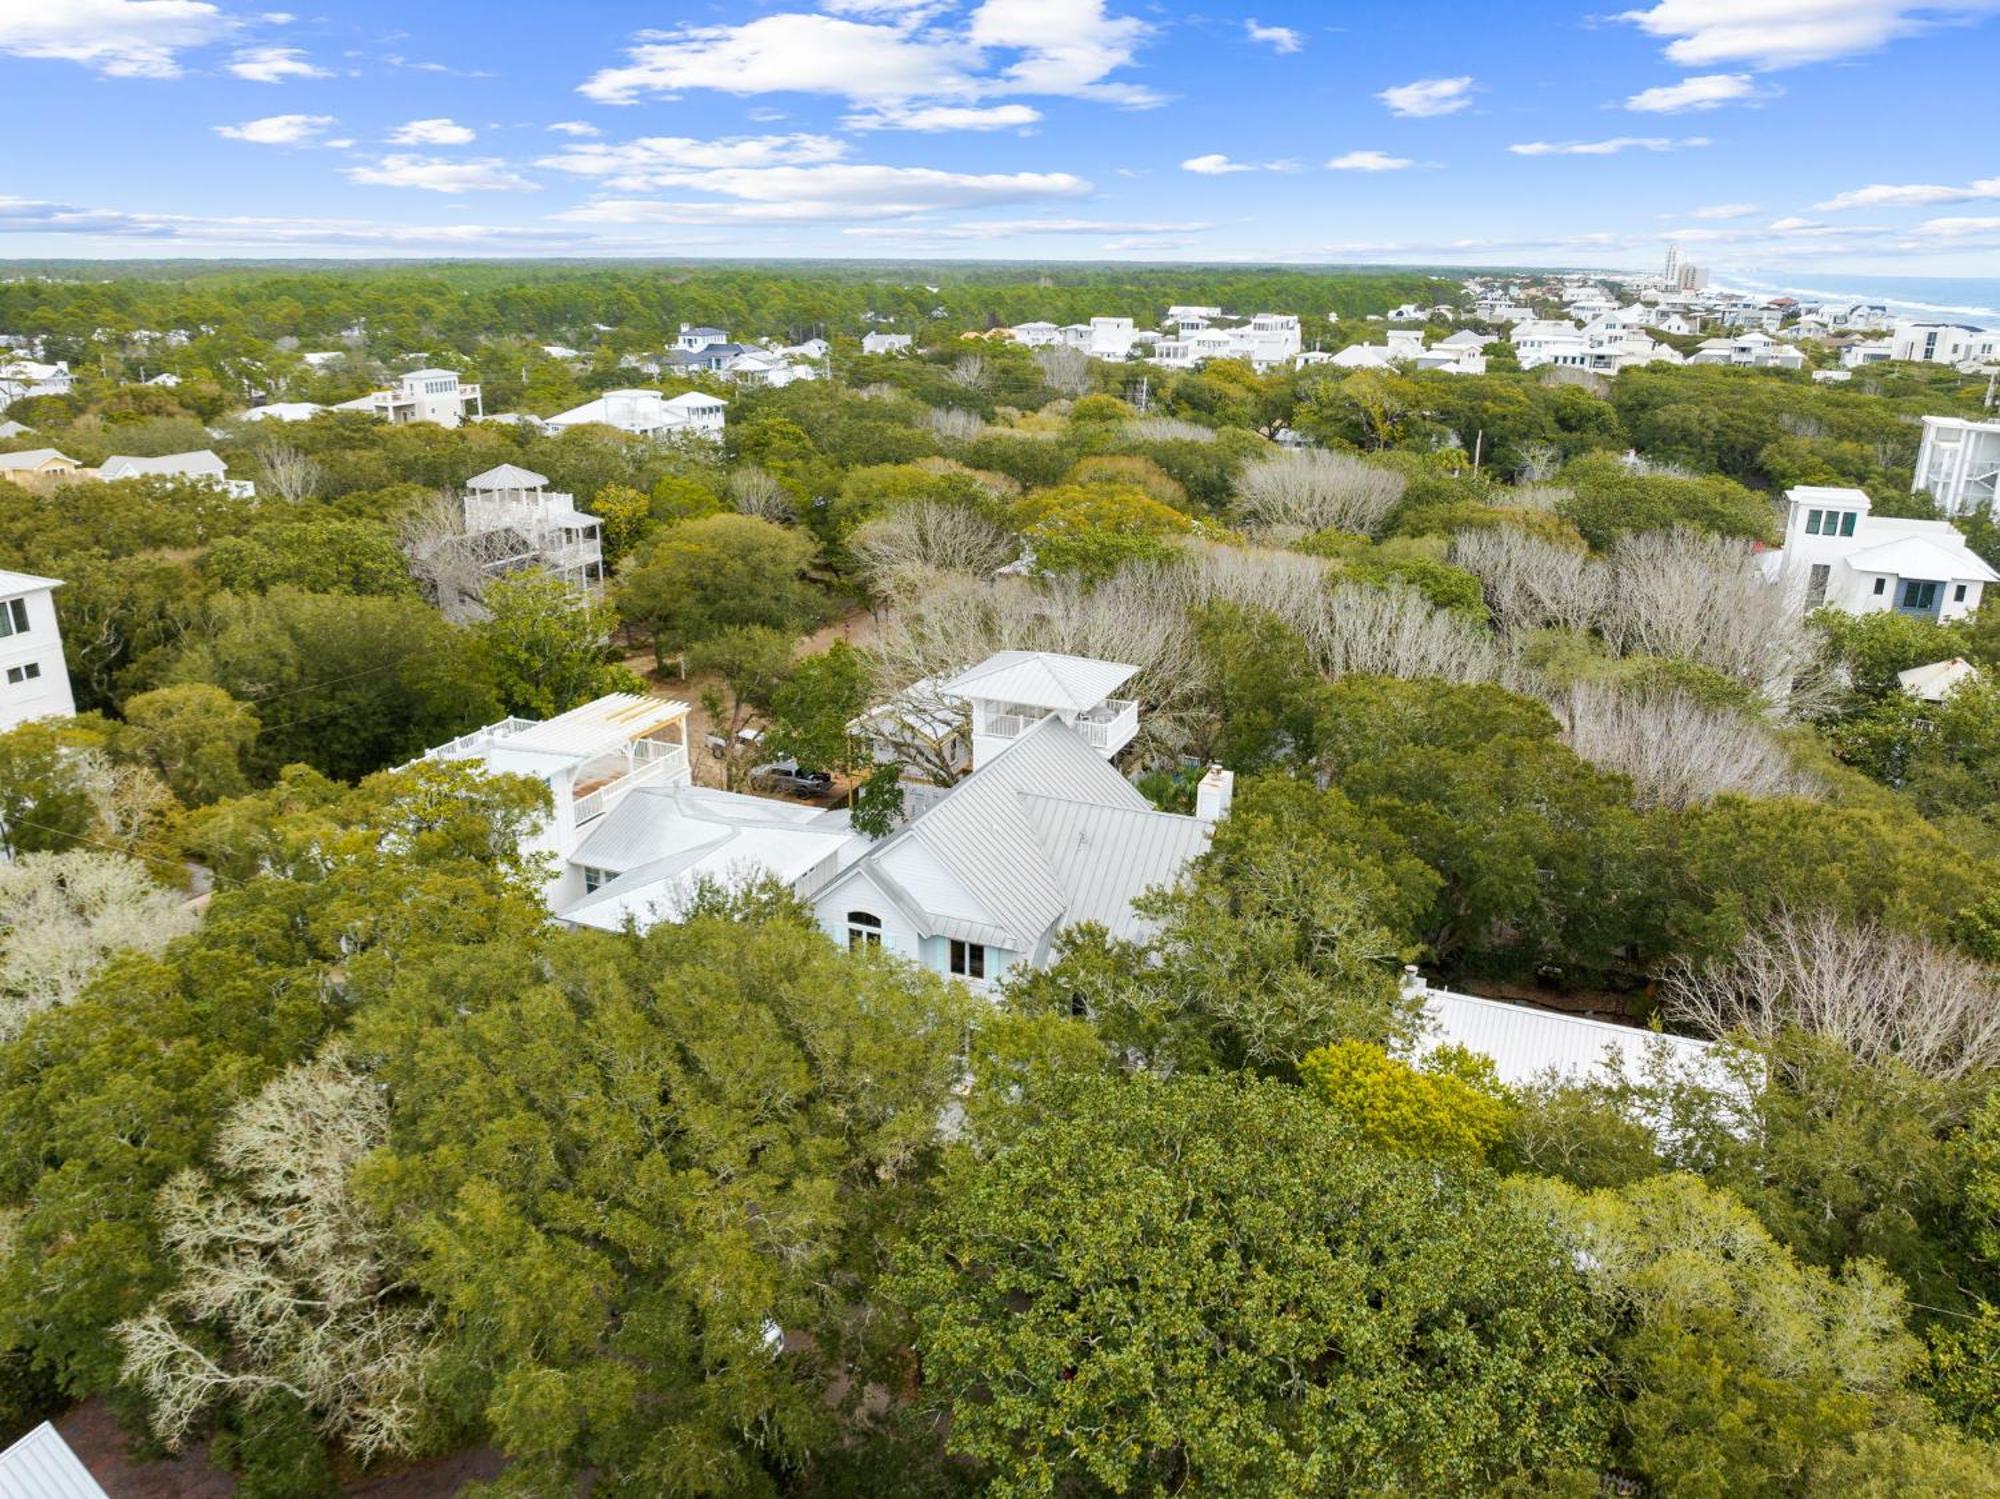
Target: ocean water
(1954, 299)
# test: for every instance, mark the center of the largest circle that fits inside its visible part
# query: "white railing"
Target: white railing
(1113, 730)
(1005, 725)
(478, 737)
(652, 760)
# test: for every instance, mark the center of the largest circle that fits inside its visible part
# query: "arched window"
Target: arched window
(863, 930)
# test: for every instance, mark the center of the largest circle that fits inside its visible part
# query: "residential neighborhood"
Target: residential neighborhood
(602, 873)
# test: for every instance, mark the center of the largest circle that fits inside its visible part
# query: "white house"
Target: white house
(1933, 343)
(41, 1466)
(527, 526)
(1838, 555)
(1039, 838)
(886, 343)
(421, 396)
(1528, 1045)
(1752, 350)
(283, 411)
(648, 413)
(765, 367)
(693, 340)
(1867, 351)
(1012, 691)
(648, 857)
(201, 464)
(12, 429)
(34, 682)
(1938, 680)
(1036, 335)
(22, 378)
(1958, 464)
(591, 759)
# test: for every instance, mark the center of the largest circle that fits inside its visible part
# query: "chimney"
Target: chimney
(1213, 795)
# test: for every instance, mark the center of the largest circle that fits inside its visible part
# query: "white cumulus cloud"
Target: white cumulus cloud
(1281, 39)
(875, 54)
(1912, 195)
(279, 130)
(1369, 161)
(834, 192)
(575, 127)
(1768, 34)
(1216, 164)
(1610, 147)
(120, 38)
(672, 161)
(437, 132)
(941, 117)
(1723, 211)
(440, 174)
(274, 65)
(1708, 91)
(1428, 97)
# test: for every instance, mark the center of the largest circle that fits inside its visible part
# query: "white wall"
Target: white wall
(40, 646)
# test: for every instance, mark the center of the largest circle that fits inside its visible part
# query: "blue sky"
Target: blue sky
(1802, 135)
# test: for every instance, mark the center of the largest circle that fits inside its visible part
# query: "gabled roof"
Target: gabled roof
(1526, 1043)
(1915, 557)
(1938, 680)
(1043, 835)
(199, 462)
(507, 476)
(1042, 679)
(41, 1466)
(31, 458)
(15, 583)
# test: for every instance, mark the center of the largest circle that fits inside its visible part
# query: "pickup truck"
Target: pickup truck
(784, 775)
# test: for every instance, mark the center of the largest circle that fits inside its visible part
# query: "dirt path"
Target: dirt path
(858, 627)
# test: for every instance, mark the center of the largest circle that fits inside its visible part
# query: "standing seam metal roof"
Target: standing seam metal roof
(1041, 679)
(41, 1466)
(992, 835)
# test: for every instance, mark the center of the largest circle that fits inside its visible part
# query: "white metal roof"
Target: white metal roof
(507, 476)
(1106, 857)
(1935, 682)
(41, 1466)
(665, 842)
(999, 860)
(1828, 494)
(1526, 1044)
(201, 462)
(1041, 679)
(1919, 557)
(606, 723)
(13, 583)
(30, 458)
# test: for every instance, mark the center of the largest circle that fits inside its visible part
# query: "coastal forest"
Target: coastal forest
(326, 1157)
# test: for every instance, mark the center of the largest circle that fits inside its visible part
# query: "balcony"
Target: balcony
(602, 784)
(1106, 728)
(1109, 727)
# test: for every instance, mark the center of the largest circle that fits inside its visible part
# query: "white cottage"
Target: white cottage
(34, 681)
(1838, 555)
(591, 758)
(648, 414)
